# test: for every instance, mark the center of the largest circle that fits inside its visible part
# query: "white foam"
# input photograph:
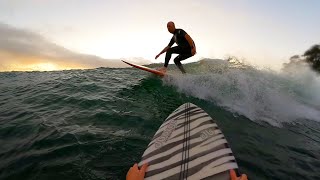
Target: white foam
(260, 95)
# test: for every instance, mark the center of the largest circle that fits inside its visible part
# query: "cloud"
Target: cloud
(23, 49)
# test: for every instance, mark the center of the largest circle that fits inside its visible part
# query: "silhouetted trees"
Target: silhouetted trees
(310, 57)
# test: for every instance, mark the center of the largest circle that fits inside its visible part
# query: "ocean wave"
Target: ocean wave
(259, 94)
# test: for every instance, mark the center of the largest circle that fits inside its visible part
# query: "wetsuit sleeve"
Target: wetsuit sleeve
(171, 42)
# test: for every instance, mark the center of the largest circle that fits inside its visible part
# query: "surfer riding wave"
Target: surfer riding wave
(186, 47)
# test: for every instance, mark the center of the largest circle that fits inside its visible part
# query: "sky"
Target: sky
(59, 34)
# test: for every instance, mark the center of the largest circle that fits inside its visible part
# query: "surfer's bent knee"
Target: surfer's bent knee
(176, 61)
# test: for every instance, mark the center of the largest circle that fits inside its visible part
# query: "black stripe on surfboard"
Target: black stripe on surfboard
(200, 131)
(200, 135)
(199, 125)
(182, 112)
(188, 144)
(180, 117)
(180, 124)
(183, 145)
(175, 148)
(178, 151)
(177, 118)
(189, 131)
(194, 169)
(198, 169)
(215, 126)
(200, 165)
(204, 116)
(224, 175)
(187, 173)
(173, 144)
(182, 107)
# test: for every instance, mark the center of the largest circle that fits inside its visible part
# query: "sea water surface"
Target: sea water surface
(95, 124)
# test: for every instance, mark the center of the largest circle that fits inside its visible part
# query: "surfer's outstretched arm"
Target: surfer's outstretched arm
(167, 47)
(163, 51)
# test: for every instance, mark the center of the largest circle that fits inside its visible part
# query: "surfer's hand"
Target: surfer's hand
(233, 176)
(157, 56)
(135, 174)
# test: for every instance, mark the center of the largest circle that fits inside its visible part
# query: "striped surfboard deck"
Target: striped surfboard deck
(188, 145)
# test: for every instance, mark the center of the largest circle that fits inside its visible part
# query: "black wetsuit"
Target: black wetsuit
(183, 48)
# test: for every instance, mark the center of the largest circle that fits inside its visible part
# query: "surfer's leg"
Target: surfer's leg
(179, 58)
(171, 51)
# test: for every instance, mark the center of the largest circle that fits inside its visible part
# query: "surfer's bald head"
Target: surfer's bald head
(171, 27)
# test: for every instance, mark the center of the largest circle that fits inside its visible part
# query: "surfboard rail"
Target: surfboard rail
(154, 71)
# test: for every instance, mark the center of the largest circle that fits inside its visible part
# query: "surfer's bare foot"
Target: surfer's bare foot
(163, 69)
